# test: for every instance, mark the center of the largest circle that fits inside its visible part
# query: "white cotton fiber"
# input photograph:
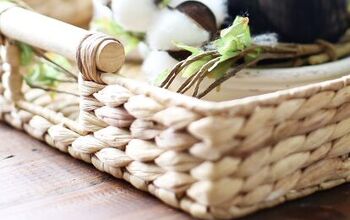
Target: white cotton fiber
(173, 26)
(174, 3)
(156, 63)
(143, 49)
(100, 10)
(104, 2)
(218, 7)
(134, 15)
(269, 39)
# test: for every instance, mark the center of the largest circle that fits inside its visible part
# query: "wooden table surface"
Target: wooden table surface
(38, 182)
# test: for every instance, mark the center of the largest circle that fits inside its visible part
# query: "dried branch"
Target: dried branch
(55, 65)
(47, 89)
(340, 51)
(180, 66)
(294, 54)
(198, 75)
(239, 68)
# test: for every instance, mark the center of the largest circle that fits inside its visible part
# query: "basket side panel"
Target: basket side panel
(217, 165)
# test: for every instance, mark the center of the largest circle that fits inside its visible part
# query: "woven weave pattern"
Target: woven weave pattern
(224, 163)
(213, 160)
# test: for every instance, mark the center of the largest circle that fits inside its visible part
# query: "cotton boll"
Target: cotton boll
(219, 8)
(139, 53)
(173, 26)
(156, 63)
(101, 11)
(134, 56)
(104, 2)
(143, 49)
(134, 15)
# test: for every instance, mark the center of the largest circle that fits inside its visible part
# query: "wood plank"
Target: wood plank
(38, 182)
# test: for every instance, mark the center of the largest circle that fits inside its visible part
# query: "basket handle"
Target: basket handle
(67, 40)
(94, 53)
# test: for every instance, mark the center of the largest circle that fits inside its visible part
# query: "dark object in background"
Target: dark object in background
(250, 8)
(200, 13)
(300, 21)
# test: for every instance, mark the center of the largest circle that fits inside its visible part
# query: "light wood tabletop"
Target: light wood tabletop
(39, 182)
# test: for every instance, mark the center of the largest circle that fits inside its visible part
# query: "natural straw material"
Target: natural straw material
(87, 52)
(212, 160)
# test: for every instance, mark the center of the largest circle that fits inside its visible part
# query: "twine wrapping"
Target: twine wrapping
(86, 56)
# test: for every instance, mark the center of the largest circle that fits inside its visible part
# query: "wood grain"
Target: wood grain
(56, 36)
(38, 182)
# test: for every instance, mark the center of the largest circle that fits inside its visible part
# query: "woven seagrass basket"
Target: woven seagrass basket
(211, 159)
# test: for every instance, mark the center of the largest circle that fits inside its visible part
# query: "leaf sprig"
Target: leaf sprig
(234, 51)
(163, 3)
(44, 70)
(214, 59)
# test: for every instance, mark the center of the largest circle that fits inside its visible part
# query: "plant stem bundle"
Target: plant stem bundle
(281, 55)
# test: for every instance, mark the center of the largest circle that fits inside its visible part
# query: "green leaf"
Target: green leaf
(239, 26)
(27, 54)
(60, 60)
(253, 55)
(49, 73)
(42, 74)
(220, 70)
(164, 3)
(161, 77)
(234, 39)
(131, 45)
(231, 43)
(194, 67)
(193, 50)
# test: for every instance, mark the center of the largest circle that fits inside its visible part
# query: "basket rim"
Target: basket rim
(287, 73)
(246, 104)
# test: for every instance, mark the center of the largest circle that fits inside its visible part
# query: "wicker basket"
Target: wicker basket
(211, 159)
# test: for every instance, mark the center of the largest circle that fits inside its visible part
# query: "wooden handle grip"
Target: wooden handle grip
(55, 36)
